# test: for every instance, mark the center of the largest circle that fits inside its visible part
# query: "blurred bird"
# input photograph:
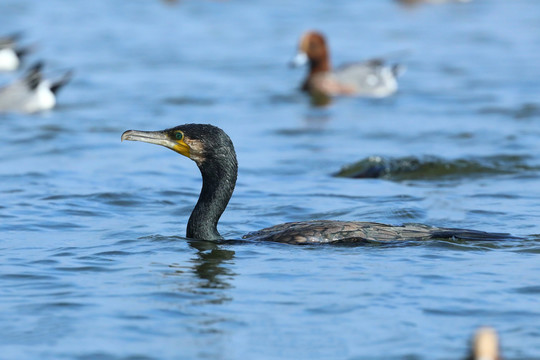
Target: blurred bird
(369, 78)
(11, 55)
(485, 345)
(33, 92)
(416, 2)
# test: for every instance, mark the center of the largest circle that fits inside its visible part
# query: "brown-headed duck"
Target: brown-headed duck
(370, 78)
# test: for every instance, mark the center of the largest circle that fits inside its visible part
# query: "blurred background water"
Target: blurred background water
(93, 260)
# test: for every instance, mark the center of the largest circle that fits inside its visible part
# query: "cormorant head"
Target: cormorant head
(199, 142)
(214, 154)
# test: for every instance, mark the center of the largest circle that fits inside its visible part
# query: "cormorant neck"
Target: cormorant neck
(219, 178)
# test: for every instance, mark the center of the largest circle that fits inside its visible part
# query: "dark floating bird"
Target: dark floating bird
(213, 152)
(434, 167)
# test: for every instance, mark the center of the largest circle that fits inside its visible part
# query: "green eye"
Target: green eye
(179, 135)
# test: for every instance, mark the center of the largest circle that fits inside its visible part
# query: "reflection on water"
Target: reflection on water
(208, 265)
(199, 287)
(208, 273)
(212, 281)
(320, 99)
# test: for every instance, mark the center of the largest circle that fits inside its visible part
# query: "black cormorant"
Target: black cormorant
(213, 152)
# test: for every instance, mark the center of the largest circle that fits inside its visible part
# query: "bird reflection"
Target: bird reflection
(317, 119)
(202, 283)
(208, 265)
(319, 99)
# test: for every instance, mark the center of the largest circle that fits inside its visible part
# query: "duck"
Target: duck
(11, 55)
(213, 152)
(370, 78)
(32, 93)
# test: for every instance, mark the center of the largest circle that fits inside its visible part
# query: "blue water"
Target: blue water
(93, 262)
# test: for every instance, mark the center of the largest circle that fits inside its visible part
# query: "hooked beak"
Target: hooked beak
(157, 138)
(300, 59)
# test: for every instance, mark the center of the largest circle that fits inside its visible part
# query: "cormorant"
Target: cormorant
(213, 152)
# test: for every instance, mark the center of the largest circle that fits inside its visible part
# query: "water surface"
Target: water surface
(94, 264)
